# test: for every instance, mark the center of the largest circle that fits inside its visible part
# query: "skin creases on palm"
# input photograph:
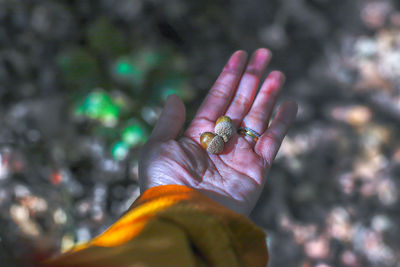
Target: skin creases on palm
(235, 177)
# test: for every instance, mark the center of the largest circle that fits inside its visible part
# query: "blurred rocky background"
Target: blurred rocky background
(83, 82)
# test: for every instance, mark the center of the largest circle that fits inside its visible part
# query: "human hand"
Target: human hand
(235, 177)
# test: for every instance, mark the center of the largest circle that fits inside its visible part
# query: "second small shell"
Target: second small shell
(224, 128)
(214, 144)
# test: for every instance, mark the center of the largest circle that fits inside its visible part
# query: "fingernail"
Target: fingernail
(260, 58)
(278, 76)
(237, 60)
(265, 53)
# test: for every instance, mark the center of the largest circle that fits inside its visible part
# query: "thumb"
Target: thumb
(171, 120)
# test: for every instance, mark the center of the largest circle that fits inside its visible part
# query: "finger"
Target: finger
(248, 85)
(270, 141)
(259, 115)
(171, 120)
(223, 89)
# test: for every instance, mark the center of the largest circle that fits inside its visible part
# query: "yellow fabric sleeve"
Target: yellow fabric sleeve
(173, 225)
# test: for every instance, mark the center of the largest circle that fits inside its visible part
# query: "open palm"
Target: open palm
(235, 177)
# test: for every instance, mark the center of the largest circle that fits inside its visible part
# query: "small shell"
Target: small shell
(216, 145)
(205, 139)
(224, 118)
(224, 128)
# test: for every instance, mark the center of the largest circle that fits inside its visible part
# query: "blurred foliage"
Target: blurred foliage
(105, 38)
(79, 68)
(127, 76)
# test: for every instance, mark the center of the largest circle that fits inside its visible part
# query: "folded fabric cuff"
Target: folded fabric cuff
(193, 229)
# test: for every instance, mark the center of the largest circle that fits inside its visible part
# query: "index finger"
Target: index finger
(220, 95)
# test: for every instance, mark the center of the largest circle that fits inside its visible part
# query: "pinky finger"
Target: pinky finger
(268, 145)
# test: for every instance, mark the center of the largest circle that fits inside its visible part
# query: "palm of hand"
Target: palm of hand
(230, 176)
(235, 177)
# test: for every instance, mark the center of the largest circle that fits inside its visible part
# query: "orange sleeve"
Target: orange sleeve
(173, 225)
